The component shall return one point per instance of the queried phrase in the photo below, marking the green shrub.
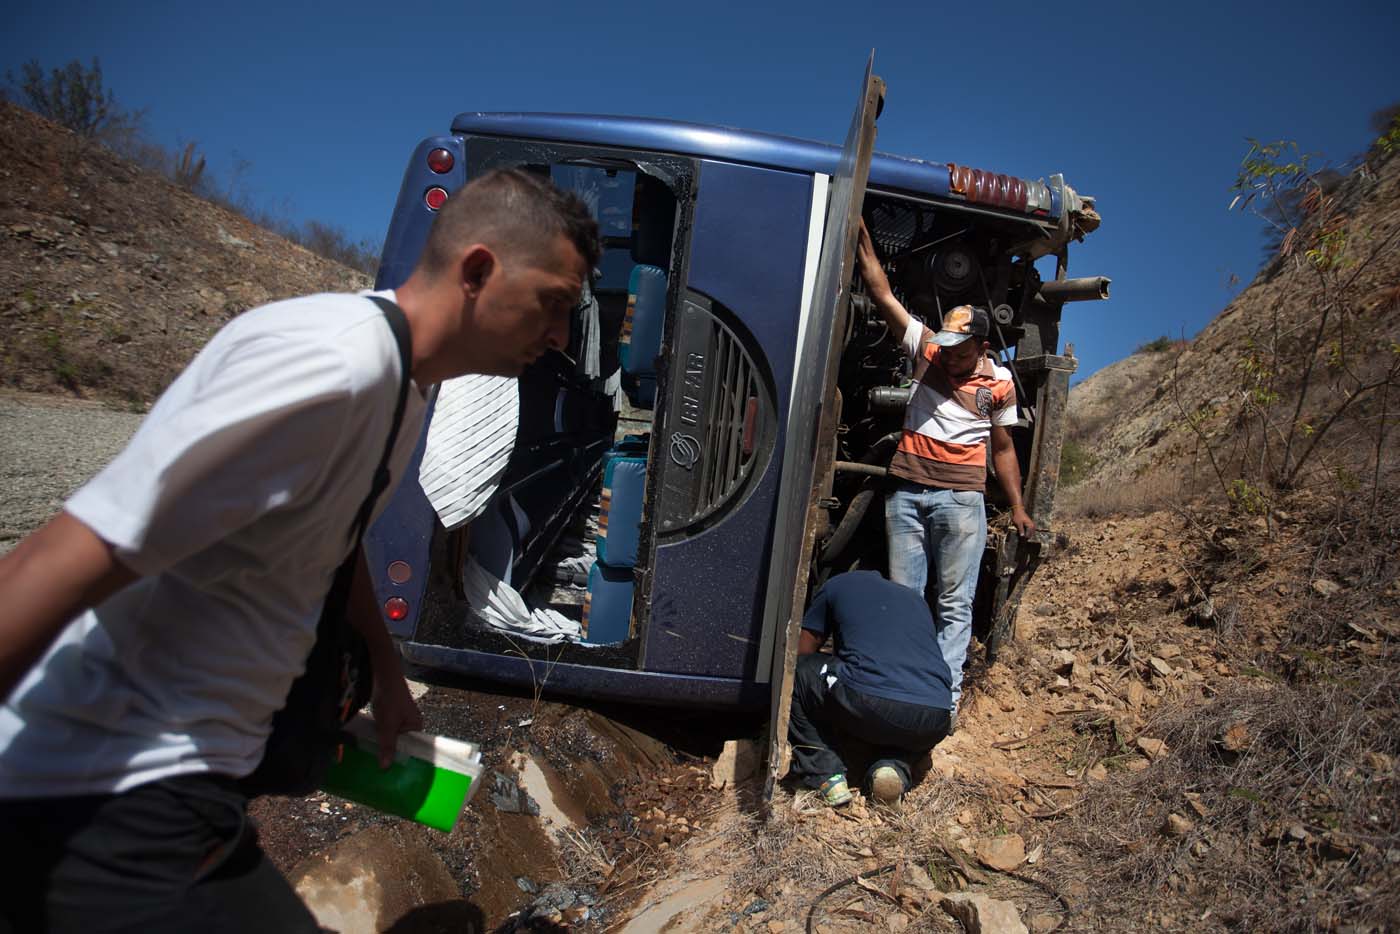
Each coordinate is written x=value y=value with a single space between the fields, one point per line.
x=1076 y=460
x=1156 y=345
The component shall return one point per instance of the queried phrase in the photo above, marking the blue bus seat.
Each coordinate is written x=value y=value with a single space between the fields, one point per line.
x=607 y=607
x=620 y=512
x=642 y=328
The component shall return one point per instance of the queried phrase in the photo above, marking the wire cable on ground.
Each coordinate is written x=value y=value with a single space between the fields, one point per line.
x=871 y=873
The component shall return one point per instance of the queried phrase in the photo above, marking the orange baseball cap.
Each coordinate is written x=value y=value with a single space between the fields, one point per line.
x=962 y=323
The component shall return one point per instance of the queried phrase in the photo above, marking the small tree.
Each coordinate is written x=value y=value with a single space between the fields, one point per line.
x=1304 y=369
x=74 y=96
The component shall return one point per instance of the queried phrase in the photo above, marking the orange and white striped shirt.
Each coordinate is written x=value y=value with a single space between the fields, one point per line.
x=948 y=420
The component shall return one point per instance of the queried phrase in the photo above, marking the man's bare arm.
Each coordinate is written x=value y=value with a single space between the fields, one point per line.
x=877 y=285
x=56 y=573
x=395 y=711
x=809 y=642
x=1009 y=476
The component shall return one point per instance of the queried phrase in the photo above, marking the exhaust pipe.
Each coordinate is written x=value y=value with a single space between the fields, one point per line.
x=1088 y=289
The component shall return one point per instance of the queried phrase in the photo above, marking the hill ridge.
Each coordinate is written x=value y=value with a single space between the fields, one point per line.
x=114 y=276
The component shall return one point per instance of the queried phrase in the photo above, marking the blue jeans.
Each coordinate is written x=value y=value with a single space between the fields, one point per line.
x=948 y=529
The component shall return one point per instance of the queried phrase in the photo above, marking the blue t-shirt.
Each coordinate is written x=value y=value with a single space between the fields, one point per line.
x=884 y=637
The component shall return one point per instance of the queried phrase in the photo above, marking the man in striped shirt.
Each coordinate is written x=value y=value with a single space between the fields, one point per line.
x=934 y=514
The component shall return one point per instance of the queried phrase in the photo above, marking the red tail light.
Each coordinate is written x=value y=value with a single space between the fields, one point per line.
x=440 y=161
x=396 y=608
x=435 y=197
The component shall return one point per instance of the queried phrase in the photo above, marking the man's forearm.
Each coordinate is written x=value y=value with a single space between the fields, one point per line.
x=52 y=576
x=1009 y=475
x=877 y=285
x=395 y=711
x=895 y=314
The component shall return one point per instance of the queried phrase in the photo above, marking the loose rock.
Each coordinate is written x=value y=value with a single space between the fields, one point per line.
x=1326 y=588
x=979 y=914
x=1005 y=852
x=1235 y=738
x=1152 y=748
x=1177 y=826
x=737 y=762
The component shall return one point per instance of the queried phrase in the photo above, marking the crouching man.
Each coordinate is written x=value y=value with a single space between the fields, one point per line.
x=886 y=686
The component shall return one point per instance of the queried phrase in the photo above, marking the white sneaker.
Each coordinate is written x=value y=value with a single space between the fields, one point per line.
x=886 y=787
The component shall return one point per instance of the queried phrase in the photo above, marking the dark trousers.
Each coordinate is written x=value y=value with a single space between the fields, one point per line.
x=170 y=856
x=828 y=717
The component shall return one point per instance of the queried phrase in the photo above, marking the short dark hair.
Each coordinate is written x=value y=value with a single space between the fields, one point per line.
x=514 y=212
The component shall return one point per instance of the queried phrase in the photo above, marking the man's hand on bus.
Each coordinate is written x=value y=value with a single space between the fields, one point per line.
x=1023 y=521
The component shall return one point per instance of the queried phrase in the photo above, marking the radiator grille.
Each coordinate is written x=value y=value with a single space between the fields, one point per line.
x=738 y=417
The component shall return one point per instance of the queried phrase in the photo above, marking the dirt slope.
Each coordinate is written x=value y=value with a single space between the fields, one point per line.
x=1131 y=415
x=111 y=277
x=1196 y=730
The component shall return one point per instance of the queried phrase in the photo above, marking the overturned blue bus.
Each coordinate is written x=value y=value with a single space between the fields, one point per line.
x=708 y=449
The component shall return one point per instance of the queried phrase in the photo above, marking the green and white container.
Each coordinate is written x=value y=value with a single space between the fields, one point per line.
x=430 y=781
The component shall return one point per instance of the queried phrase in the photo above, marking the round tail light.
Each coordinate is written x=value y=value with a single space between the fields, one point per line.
x=440 y=161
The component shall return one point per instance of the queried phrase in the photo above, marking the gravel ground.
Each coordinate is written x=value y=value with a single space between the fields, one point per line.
x=50 y=446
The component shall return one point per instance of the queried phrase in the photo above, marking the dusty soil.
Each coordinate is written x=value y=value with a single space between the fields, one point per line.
x=1196 y=730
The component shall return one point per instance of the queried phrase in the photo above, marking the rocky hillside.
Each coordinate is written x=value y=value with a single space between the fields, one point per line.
x=1334 y=327
x=112 y=277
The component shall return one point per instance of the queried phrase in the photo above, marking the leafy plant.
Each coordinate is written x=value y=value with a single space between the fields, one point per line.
x=73 y=96
x=1299 y=375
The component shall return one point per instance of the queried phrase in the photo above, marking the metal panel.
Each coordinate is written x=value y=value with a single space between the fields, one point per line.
x=408 y=228
x=746 y=257
x=811 y=418
x=925 y=176
x=593 y=684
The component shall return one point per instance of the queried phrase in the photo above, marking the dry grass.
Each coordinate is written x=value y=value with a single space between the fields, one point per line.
x=1097 y=498
x=1296 y=831
x=1278 y=805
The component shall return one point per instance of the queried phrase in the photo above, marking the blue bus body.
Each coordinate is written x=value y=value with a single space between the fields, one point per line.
x=733 y=222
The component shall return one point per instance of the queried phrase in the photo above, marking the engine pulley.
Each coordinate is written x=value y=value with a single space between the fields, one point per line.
x=954 y=269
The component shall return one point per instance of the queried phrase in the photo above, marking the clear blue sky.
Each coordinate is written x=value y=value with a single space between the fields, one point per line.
x=1145 y=106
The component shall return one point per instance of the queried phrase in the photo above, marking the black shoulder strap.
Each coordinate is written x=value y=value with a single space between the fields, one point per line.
x=337 y=598
x=398 y=324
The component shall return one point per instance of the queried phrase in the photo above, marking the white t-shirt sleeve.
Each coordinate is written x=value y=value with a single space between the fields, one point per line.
x=250 y=426
x=914 y=336
x=1004 y=410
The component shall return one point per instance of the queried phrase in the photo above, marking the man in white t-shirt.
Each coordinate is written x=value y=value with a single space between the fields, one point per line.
x=149 y=633
x=935 y=518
